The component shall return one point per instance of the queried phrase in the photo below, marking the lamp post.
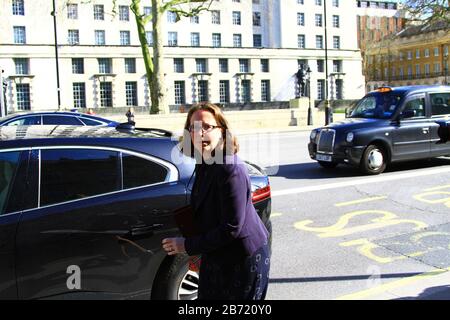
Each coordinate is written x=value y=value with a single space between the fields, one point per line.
x=308 y=72
x=328 y=111
x=2 y=96
x=445 y=67
x=56 y=56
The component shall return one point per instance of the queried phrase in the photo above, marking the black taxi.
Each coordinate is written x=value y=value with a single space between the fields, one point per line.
x=390 y=124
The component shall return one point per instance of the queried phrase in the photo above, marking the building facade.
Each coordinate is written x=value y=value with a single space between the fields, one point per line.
x=418 y=55
x=239 y=51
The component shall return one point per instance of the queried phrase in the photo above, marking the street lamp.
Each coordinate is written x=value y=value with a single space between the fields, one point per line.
x=445 y=67
x=56 y=56
x=308 y=73
x=328 y=110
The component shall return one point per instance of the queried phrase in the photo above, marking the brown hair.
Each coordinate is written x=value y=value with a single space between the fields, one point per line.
x=231 y=144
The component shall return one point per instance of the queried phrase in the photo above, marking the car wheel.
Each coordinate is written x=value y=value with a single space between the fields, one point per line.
x=328 y=165
x=373 y=160
x=175 y=281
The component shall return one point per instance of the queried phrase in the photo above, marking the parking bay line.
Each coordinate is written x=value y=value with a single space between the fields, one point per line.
x=359 y=182
x=384 y=288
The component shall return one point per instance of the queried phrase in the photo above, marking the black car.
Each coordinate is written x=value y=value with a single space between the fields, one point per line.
x=387 y=125
x=83 y=211
x=55 y=118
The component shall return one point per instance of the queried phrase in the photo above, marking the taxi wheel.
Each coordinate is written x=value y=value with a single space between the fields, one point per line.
x=328 y=165
x=373 y=160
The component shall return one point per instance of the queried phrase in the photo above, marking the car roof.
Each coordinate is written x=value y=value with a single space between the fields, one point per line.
x=414 y=89
x=10 y=133
x=52 y=113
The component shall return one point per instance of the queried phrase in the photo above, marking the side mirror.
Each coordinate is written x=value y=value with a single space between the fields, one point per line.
x=407 y=114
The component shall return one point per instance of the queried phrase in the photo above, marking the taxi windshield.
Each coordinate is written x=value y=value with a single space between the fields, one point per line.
x=377 y=105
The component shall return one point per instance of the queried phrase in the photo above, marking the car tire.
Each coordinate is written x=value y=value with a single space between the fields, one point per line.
x=374 y=160
x=328 y=165
x=175 y=281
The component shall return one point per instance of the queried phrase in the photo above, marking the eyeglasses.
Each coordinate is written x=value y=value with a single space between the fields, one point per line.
x=204 y=127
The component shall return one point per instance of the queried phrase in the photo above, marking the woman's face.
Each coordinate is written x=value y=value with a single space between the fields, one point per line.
x=205 y=133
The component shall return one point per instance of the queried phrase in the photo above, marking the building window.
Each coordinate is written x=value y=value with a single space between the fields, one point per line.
x=335 y=3
x=147 y=11
x=23 y=96
x=301 y=41
x=337 y=65
x=300 y=2
x=409 y=55
x=417 y=53
x=215 y=17
x=22 y=65
x=336 y=42
x=437 y=68
x=339 y=89
x=178 y=65
x=244 y=65
x=318 y=20
x=318 y=2
x=149 y=37
x=100 y=37
x=427 y=53
x=77 y=65
x=172 y=39
x=237 y=40
x=265 y=90
x=417 y=69
x=436 y=52
x=257 y=41
x=195 y=39
x=79 y=94
x=203 y=91
x=131 y=93
x=19 y=35
x=72 y=11
x=171 y=17
x=236 y=17
x=336 y=22
x=99 y=12
x=201 y=65
x=264 y=65
x=73 y=37
x=224 y=91
x=125 y=38
x=256 y=19
x=216 y=40
x=223 y=65
x=320 y=89
x=246 y=91
x=130 y=65
x=180 y=97
x=319 y=42
x=195 y=19
x=320 y=66
x=106 y=94
x=18 y=7
x=300 y=18
x=427 y=69
x=104 y=65
x=124 y=13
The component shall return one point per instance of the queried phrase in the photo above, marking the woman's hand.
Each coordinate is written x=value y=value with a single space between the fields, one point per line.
x=173 y=245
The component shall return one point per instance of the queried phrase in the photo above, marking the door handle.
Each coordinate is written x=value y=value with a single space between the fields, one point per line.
x=143 y=230
x=426 y=130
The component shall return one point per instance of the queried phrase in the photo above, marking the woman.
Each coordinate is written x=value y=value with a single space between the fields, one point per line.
x=233 y=241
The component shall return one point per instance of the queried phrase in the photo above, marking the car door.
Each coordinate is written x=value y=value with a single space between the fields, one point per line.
x=440 y=110
x=411 y=136
x=94 y=233
x=13 y=174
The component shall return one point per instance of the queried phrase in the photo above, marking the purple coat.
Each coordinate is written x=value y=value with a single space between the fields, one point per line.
x=224 y=212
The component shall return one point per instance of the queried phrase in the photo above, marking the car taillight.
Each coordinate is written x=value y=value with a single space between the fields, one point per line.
x=261 y=194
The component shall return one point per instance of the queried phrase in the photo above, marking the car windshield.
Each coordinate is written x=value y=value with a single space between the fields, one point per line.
x=378 y=105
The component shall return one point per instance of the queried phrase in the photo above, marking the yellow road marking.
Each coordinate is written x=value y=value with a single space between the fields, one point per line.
x=275 y=214
x=438 y=188
x=392 y=285
x=349 y=203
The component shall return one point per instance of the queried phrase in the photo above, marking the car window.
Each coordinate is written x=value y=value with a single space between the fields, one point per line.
x=69 y=174
x=9 y=162
x=26 y=121
x=417 y=106
x=378 y=105
x=440 y=103
x=90 y=122
x=140 y=172
x=62 y=120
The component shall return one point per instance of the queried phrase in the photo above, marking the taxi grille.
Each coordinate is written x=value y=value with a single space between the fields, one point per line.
x=326 y=141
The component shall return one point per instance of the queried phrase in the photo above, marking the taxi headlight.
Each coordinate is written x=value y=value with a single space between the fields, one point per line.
x=313 y=135
x=349 y=137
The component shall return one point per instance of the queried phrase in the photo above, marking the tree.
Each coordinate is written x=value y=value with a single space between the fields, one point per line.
x=429 y=11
